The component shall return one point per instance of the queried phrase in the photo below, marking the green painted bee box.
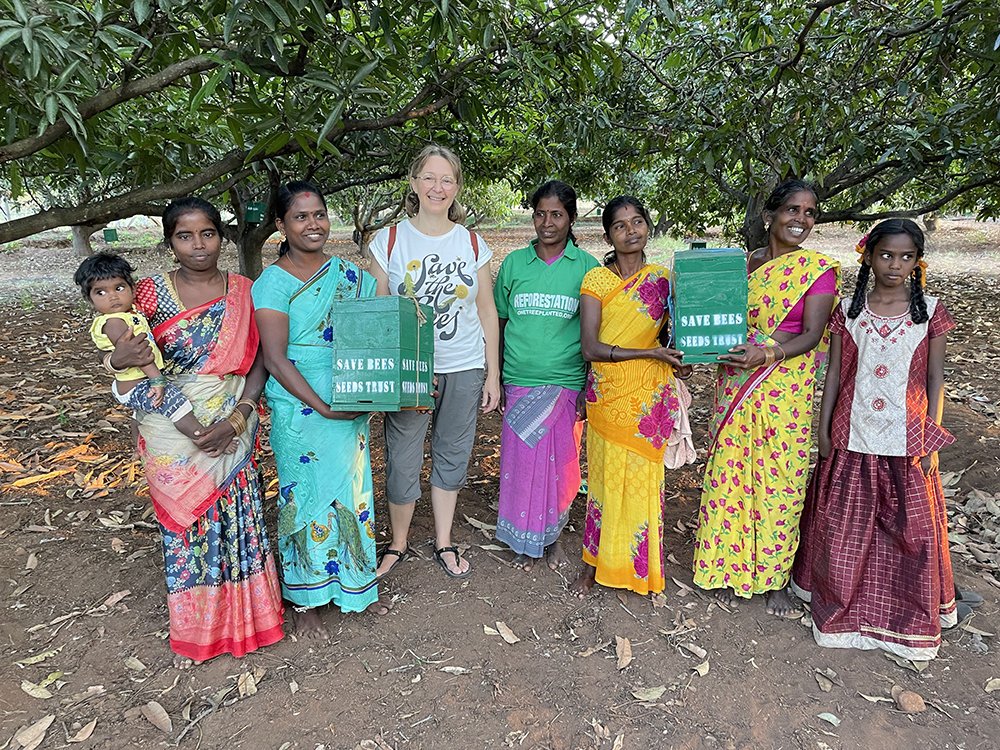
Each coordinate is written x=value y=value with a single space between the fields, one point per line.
x=383 y=354
x=710 y=302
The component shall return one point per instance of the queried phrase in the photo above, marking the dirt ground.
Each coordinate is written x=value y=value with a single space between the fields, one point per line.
x=84 y=619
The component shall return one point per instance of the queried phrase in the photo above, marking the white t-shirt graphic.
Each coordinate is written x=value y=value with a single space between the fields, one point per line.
x=440 y=272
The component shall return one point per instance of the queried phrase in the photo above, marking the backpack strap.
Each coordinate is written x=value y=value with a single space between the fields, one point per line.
x=475 y=243
x=392 y=242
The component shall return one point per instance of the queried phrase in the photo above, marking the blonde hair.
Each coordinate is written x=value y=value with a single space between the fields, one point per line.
x=456 y=212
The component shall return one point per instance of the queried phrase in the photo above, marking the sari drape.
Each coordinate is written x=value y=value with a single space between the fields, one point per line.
x=760 y=438
x=326 y=534
x=223 y=593
x=631 y=410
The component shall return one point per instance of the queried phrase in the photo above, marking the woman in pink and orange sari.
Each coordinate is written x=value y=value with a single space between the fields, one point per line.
x=223 y=590
x=756 y=475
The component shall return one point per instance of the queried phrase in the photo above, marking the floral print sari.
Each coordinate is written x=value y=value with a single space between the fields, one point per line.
x=756 y=475
x=631 y=410
x=326 y=534
x=222 y=586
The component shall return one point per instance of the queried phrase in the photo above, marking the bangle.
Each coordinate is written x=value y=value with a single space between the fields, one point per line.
x=110 y=367
x=159 y=380
x=238 y=422
x=249 y=402
x=782 y=353
x=768 y=356
x=611 y=354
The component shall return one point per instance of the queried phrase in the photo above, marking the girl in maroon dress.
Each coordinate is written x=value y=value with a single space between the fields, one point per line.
x=874 y=557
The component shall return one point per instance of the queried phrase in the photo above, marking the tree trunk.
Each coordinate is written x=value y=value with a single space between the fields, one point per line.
x=250 y=238
x=663 y=225
x=81 y=238
x=753 y=232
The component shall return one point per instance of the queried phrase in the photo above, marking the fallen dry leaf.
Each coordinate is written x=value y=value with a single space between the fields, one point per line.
x=31 y=737
x=992 y=685
x=623 y=649
x=824 y=682
x=487 y=630
x=829 y=718
x=246 y=684
x=695 y=649
x=115 y=598
x=35 y=691
x=875 y=698
x=506 y=633
x=84 y=734
x=594 y=649
x=619 y=742
x=913 y=666
x=32 y=562
x=37 y=658
x=659 y=601
x=649 y=694
x=622 y=597
x=455 y=670
x=156 y=716
x=135 y=665
x=701 y=669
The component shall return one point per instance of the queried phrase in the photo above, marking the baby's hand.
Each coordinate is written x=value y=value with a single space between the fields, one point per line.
x=157 y=391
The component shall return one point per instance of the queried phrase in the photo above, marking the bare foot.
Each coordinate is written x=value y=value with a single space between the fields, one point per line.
x=779 y=604
x=183 y=662
x=308 y=625
x=726 y=596
x=380 y=607
x=523 y=562
x=555 y=555
x=584 y=583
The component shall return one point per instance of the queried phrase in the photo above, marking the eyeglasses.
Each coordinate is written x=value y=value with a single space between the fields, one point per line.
x=447 y=182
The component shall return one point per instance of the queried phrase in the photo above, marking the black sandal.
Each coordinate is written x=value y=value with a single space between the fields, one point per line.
x=445 y=568
x=400 y=556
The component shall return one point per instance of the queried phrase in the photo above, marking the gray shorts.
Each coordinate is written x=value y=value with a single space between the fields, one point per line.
x=453 y=431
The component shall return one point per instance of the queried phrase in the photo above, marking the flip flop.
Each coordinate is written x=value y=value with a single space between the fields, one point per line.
x=400 y=556
x=445 y=568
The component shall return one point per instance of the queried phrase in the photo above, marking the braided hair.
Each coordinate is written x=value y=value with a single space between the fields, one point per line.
x=608 y=219
x=889 y=227
x=286 y=197
x=564 y=193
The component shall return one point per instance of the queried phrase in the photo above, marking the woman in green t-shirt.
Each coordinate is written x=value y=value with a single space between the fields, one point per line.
x=537 y=294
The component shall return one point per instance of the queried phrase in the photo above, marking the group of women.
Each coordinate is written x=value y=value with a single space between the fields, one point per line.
x=558 y=339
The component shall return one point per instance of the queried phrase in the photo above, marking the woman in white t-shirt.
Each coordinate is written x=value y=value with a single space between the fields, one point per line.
x=432 y=256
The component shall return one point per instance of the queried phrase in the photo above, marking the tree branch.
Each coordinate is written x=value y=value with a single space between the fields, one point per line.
x=851 y=214
x=104 y=101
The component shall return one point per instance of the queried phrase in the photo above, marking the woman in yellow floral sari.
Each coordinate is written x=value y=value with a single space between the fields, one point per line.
x=631 y=407
x=756 y=474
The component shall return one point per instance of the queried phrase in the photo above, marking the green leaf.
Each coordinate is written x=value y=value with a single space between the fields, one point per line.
x=9 y=35
x=939 y=8
x=208 y=88
x=279 y=12
x=129 y=34
x=51 y=108
x=331 y=120
x=16 y=183
x=362 y=74
x=141 y=11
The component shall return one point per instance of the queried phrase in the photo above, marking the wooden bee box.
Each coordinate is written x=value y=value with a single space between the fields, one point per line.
x=710 y=302
x=383 y=354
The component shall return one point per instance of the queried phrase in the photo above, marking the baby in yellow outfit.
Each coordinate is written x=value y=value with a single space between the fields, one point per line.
x=106 y=282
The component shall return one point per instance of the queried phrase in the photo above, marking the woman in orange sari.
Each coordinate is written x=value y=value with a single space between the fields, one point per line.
x=756 y=474
x=223 y=592
x=631 y=407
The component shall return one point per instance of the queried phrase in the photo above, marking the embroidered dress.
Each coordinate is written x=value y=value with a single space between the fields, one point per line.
x=874 y=560
x=540 y=438
x=326 y=535
x=631 y=409
x=756 y=475
x=222 y=586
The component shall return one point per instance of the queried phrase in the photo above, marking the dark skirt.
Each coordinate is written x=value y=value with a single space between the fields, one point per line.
x=874 y=561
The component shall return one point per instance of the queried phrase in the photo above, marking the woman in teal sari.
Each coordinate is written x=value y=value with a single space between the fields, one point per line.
x=326 y=535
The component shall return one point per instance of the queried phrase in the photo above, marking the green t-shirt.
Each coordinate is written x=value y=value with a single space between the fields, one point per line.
x=541 y=303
